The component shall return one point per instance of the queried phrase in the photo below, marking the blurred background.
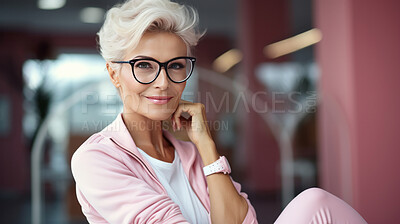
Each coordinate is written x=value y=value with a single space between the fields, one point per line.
x=299 y=93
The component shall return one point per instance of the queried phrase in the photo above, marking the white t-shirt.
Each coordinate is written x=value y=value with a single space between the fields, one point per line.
x=174 y=180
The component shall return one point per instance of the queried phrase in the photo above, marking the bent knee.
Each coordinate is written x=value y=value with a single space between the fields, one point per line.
x=314 y=196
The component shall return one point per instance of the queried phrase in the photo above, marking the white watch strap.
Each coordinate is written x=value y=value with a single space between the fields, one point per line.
x=215 y=167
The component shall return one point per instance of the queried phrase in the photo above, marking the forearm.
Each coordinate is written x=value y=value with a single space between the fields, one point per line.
x=227 y=205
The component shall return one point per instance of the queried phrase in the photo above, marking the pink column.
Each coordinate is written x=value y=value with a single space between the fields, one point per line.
x=261 y=23
x=359 y=58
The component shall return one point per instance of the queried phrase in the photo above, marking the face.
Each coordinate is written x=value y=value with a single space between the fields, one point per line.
x=159 y=99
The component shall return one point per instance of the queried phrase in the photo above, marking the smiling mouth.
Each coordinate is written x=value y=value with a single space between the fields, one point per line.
x=159 y=99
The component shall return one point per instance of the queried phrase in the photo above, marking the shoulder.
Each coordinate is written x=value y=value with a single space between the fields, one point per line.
x=97 y=143
x=96 y=150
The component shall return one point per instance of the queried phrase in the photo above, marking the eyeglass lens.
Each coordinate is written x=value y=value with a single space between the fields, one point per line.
x=178 y=70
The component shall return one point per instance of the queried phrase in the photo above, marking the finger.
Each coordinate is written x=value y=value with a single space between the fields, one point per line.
x=181 y=101
x=176 y=117
x=173 y=125
x=178 y=113
x=185 y=123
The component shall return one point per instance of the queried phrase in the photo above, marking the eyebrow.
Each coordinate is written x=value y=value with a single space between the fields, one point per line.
x=143 y=57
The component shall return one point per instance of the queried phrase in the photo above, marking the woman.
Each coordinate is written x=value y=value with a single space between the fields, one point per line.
x=135 y=172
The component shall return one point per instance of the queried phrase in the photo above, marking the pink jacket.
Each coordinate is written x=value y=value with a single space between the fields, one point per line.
x=115 y=184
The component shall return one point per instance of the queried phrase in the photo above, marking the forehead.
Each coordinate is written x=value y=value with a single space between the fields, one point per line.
x=159 y=45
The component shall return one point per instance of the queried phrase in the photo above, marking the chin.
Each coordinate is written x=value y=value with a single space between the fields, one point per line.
x=159 y=116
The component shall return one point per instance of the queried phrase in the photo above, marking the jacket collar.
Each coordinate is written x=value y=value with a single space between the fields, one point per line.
x=119 y=133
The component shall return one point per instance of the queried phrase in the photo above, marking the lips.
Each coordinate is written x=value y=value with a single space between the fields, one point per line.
x=159 y=99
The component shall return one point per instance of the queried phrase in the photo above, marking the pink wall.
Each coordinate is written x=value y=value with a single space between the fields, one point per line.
x=359 y=117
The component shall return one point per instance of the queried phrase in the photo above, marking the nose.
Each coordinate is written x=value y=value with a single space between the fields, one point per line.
x=162 y=80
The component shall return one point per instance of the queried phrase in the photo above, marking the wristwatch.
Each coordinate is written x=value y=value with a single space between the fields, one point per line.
x=219 y=166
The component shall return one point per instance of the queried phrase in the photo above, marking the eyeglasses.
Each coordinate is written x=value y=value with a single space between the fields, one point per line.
x=146 y=70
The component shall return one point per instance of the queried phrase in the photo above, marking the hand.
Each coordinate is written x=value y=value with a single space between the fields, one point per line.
x=196 y=125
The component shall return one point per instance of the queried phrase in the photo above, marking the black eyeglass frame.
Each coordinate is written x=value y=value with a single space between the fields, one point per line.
x=161 y=65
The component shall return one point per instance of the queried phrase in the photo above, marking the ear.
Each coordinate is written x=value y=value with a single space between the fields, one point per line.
x=113 y=75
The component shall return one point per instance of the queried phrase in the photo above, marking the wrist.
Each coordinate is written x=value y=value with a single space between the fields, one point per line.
x=219 y=166
x=208 y=152
x=204 y=143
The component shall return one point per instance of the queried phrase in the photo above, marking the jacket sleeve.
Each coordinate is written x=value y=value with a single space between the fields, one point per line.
x=251 y=217
x=116 y=194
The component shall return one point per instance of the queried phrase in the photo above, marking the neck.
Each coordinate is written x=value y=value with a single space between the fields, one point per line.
x=147 y=134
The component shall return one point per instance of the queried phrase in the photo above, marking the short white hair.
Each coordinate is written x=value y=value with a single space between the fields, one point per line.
x=126 y=23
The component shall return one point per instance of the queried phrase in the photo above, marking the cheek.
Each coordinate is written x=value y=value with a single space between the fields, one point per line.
x=180 y=88
x=130 y=88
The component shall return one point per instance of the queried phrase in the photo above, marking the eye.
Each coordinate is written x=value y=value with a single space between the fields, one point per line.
x=176 y=65
x=143 y=65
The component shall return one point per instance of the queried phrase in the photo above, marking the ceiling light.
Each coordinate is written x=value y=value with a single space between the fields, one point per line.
x=92 y=15
x=50 y=4
x=227 y=60
x=293 y=44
